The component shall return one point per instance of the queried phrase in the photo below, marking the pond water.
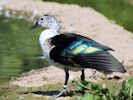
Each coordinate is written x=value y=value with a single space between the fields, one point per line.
x=19 y=48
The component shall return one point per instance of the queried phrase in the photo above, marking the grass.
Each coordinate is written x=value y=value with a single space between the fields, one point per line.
x=25 y=93
x=93 y=91
x=117 y=10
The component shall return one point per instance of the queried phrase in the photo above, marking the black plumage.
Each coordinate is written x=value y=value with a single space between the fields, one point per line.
x=82 y=52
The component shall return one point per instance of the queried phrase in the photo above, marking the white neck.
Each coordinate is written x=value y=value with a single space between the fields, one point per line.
x=46 y=34
x=45 y=45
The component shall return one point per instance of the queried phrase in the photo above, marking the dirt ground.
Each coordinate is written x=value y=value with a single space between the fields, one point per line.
x=81 y=20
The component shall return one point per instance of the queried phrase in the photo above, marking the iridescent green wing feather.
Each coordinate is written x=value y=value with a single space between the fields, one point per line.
x=82 y=47
x=78 y=51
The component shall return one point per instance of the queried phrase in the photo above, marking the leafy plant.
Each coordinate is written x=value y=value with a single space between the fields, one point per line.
x=126 y=91
x=99 y=92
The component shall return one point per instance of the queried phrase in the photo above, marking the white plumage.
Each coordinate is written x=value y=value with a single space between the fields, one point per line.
x=44 y=40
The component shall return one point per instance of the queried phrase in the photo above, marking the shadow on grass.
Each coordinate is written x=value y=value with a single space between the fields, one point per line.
x=54 y=92
x=47 y=93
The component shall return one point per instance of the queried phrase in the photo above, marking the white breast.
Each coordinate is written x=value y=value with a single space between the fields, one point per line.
x=45 y=43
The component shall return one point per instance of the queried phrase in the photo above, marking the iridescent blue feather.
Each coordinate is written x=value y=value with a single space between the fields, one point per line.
x=78 y=51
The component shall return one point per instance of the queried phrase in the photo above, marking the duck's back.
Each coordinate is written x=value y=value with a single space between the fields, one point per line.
x=81 y=52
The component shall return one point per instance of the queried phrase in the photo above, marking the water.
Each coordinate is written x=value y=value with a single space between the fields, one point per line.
x=19 y=48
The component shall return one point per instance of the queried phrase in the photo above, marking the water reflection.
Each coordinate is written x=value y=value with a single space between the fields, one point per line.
x=19 y=48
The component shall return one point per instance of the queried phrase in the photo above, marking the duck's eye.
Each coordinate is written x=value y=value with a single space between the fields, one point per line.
x=41 y=18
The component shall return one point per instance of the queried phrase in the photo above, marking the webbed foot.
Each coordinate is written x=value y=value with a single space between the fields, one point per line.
x=63 y=92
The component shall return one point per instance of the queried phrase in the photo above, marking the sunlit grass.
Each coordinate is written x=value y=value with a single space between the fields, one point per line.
x=93 y=91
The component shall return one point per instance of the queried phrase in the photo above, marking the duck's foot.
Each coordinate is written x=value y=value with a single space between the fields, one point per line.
x=63 y=92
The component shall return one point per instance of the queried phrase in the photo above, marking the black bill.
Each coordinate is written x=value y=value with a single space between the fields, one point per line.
x=36 y=25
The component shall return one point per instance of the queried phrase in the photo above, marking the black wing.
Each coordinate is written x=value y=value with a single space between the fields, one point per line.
x=78 y=51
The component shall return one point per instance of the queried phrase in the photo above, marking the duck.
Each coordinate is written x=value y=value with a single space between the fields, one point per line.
x=73 y=52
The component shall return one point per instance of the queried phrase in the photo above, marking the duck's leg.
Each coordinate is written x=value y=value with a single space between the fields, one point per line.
x=64 y=90
x=82 y=79
x=82 y=75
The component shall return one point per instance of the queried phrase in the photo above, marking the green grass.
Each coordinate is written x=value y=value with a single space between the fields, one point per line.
x=93 y=91
x=16 y=92
x=119 y=10
x=19 y=48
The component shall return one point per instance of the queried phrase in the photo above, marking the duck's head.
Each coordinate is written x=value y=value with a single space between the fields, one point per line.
x=47 y=21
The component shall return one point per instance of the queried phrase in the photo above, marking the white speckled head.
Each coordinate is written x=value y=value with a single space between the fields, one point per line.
x=53 y=28
x=48 y=21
